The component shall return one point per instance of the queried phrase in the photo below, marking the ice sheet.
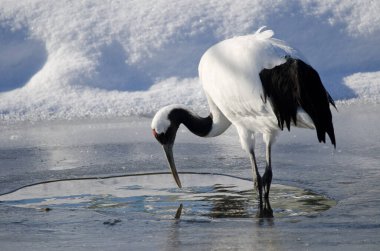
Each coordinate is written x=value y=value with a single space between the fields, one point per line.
x=53 y=150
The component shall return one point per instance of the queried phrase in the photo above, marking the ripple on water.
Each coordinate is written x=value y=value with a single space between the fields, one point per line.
x=203 y=197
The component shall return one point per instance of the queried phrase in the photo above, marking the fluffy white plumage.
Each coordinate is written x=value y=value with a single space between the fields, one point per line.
x=229 y=72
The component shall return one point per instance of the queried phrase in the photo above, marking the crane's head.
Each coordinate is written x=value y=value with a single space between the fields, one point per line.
x=164 y=128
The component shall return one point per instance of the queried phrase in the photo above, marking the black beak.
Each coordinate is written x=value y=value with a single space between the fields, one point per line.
x=168 y=149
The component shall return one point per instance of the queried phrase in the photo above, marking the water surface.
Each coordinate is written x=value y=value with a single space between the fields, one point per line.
x=323 y=198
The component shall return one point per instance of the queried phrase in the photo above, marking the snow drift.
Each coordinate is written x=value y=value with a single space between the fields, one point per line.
x=68 y=59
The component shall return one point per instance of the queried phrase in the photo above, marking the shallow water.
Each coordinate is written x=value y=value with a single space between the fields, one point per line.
x=153 y=195
x=331 y=199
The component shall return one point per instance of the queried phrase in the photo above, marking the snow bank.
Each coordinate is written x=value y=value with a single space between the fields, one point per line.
x=68 y=59
x=366 y=85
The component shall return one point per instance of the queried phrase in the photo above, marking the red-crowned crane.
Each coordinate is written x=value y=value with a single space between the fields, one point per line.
x=259 y=84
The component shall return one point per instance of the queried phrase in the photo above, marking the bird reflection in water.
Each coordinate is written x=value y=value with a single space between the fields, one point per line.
x=225 y=202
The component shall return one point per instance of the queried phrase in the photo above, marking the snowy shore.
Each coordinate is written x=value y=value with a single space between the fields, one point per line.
x=97 y=59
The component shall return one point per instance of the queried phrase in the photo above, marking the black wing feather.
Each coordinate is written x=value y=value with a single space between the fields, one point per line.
x=296 y=84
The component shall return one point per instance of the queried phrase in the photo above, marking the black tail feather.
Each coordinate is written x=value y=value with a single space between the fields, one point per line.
x=296 y=84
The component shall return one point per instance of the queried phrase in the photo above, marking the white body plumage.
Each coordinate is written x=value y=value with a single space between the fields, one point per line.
x=229 y=72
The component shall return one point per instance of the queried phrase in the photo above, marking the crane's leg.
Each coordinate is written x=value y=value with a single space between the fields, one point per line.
x=247 y=141
x=267 y=177
x=257 y=180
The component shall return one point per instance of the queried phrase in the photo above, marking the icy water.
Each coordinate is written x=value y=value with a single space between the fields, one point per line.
x=323 y=199
x=152 y=195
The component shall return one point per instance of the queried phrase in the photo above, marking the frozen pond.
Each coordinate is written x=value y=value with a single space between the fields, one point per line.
x=322 y=198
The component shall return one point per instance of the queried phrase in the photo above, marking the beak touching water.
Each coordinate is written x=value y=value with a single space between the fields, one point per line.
x=168 y=149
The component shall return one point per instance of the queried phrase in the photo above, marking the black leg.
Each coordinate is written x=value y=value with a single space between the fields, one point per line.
x=258 y=183
x=259 y=188
x=267 y=211
x=267 y=179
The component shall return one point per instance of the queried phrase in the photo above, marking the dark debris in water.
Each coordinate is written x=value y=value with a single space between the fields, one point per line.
x=45 y=209
x=111 y=222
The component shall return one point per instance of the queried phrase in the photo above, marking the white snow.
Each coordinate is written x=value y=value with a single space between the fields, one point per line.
x=74 y=59
x=365 y=85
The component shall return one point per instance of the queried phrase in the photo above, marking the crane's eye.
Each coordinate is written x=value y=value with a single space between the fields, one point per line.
x=160 y=137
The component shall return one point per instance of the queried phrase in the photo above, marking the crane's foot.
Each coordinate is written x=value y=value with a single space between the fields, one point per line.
x=266 y=214
x=265 y=211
